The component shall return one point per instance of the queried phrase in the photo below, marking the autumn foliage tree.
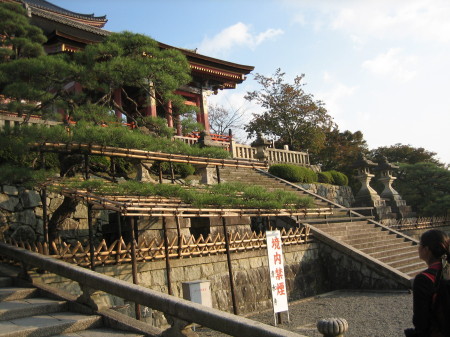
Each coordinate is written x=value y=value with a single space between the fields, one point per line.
x=290 y=115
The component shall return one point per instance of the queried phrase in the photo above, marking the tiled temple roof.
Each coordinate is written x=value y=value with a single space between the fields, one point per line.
x=89 y=19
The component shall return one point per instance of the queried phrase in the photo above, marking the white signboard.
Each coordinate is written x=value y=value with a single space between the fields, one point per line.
x=276 y=269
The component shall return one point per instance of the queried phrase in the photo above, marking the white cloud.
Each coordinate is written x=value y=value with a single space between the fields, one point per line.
x=336 y=97
x=425 y=20
x=393 y=65
x=236 y=35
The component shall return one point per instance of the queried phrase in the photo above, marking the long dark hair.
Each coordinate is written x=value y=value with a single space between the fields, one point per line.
x=438 y=243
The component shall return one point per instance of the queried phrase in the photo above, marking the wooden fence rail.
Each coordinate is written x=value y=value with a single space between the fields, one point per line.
x=146 y=251
x=416 y=223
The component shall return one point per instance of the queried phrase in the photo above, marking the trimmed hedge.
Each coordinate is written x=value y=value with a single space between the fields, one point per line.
x=300 y=174
x=293 y=173
x=325 y=177
x=339 y=178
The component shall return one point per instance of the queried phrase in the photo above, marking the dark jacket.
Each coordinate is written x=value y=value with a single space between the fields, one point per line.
x=424 y=320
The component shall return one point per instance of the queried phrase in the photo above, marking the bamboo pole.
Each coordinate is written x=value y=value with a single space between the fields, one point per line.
x=137 y=306
x=166 y=253
x=177 y=220
x=230 y=270
x=91 y=237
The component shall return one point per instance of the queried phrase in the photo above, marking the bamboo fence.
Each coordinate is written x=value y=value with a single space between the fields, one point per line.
x=109 y=151
x=120 y=252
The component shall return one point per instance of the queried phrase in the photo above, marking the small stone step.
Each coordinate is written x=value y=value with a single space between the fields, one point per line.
x=48 y=325
x=16 y=293
x=104 y=332
x=29 y=307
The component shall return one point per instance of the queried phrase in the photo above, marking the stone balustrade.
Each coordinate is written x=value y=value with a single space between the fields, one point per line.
x=13 y=119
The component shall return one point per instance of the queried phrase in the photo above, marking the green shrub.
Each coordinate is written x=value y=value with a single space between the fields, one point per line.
x=182 y=169
x=285 y=171
x=293 y=173
x=339 y=178
x=325 y=177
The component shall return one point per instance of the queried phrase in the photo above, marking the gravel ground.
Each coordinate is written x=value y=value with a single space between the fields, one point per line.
x=369 y=314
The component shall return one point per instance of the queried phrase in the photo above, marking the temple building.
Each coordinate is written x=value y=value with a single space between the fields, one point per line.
x=70 y=32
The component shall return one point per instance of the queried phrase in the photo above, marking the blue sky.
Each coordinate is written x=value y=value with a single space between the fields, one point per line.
x=381 y=67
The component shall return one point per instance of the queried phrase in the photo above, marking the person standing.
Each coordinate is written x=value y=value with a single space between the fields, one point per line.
x=434 y=250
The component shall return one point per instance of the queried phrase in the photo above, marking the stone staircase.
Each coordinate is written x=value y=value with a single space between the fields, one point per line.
x=376 y=243
x=27 y=311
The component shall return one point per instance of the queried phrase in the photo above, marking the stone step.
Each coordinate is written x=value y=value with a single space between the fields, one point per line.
x=49 y=325
x=102 y=332
x=16 y=293
x=419 y=265
x=353 y=231
x=395 y=257
x=369 y=238
x=383 y=246
x=378 y=244
x=413 y=273
x=404 y=262
x=338 y=225
x=395 y=251
x=10 y=310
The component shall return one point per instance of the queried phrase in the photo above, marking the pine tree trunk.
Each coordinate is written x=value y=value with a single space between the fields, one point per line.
x=67 y=207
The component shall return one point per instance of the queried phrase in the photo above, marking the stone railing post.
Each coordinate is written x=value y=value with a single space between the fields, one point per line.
x=332 y=327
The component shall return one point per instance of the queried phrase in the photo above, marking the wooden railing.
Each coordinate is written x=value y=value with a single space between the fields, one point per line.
x=181 y=312
x=154 y=250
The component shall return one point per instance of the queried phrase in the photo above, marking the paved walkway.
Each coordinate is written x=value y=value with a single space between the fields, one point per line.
x=368 y=313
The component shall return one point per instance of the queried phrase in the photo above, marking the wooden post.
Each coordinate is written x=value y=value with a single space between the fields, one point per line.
x=172 y=174
x=91 y=237
x=230 y=270
x=166 y=252
x=44 y=213
x=137 y=306
x=177 y=220
x=119 y=225
x=160 y=173
x=218 y=174
x=86 y=167
x=113 y=169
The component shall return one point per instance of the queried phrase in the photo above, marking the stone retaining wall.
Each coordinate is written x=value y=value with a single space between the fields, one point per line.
x=341 y=195
x=21 y=216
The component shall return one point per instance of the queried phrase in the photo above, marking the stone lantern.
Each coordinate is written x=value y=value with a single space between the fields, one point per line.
x=261 y=145
x=393 y=198
x=367 y=196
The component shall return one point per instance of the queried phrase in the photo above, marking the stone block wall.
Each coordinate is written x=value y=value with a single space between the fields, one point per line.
x=341 y=195
x=21 y=216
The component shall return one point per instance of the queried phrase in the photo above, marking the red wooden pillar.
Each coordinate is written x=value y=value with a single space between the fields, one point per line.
x=169 y=115
x=204 y=111
x=199 y=113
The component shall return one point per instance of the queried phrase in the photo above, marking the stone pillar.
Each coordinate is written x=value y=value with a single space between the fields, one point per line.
x=208 y=174
x=143 y=173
